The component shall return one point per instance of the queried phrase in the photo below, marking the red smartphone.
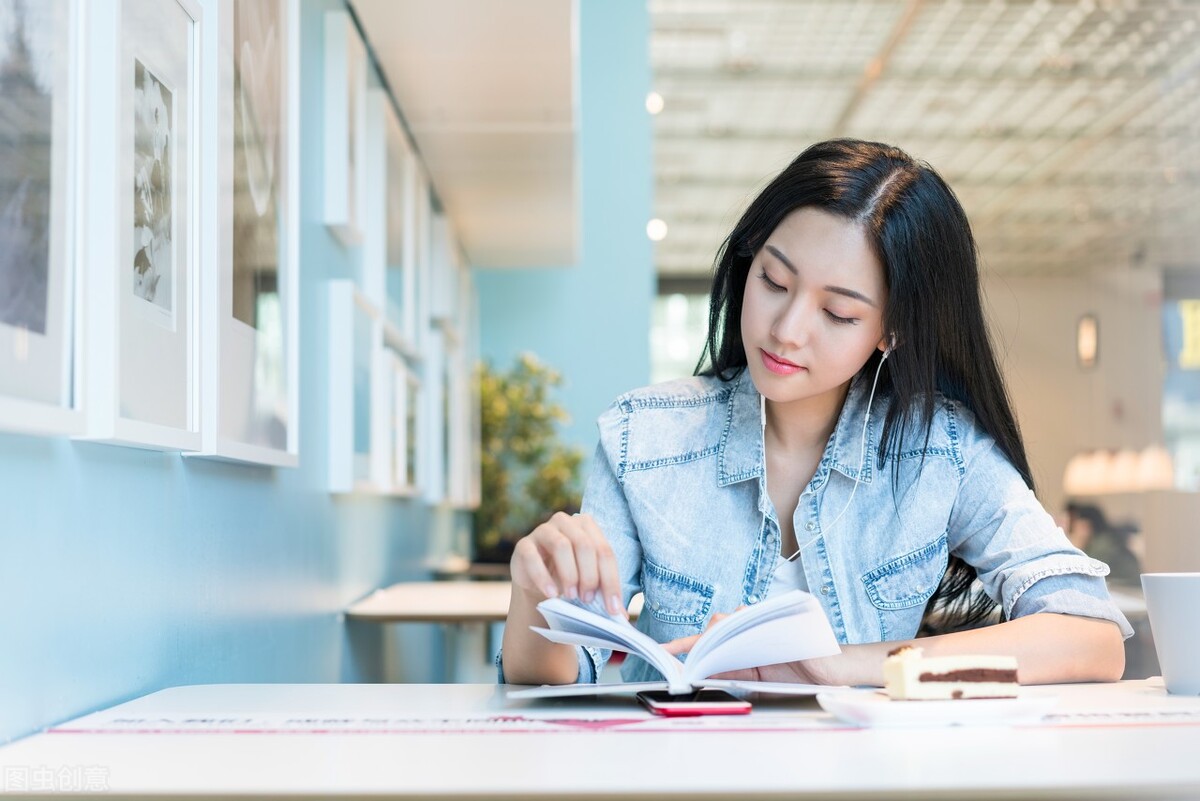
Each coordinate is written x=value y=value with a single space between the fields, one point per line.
x=697 y=702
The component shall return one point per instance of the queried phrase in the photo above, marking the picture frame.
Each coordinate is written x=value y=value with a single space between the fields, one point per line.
x=372 y=274
x=345 y=127
x=250 y=351
x=374 y=399
x=421 y=235
x=405 y=390
x=146 y=160
x=41 y=342
x=400 y=223
x=451 y=314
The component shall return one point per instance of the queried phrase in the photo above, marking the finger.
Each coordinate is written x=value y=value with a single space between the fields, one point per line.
x=747 y=674
x=681 y=646
x=715 y=619
x=606 y=565
x=559 y=556
x=588 y=576
x=530 y=571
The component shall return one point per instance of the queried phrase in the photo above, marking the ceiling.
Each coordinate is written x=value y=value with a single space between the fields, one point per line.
x=488 y=91
x=1069 y=130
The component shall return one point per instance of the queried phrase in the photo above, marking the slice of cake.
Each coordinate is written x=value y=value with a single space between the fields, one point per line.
x=908 y=675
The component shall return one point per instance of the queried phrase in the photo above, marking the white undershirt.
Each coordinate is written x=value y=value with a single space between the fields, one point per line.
x=788 y=576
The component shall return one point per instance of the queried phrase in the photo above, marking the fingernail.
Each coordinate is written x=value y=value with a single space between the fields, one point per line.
x=588 y=596
x=551 y=591
x=614 y=605
x=572 y=593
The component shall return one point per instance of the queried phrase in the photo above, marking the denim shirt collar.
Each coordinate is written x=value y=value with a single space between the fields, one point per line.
x=741 y=451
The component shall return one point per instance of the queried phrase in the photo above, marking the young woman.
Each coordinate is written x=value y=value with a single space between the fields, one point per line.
x=851 y=435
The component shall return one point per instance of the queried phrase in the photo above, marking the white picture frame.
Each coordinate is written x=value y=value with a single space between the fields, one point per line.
x=422 y=239
x=372 y=275
x=345 y=127
x=251 y=324
x=451 y=311
x=373 y=399
x=400 y=222
x=41 y=352
x=405 y=390
x=146 y=159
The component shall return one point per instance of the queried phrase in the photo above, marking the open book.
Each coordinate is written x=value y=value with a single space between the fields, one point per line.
x=785 y=628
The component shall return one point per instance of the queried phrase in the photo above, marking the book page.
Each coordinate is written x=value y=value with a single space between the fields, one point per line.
x=574 y=625
x=785 y=628
x=572 y=690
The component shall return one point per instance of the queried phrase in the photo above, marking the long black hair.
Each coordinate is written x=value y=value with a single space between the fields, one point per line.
x=920 y=234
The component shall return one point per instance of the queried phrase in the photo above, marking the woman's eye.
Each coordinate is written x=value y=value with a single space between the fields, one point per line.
x=841 y=320
x=774 y=287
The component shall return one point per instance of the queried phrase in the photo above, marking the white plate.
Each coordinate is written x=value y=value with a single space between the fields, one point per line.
x=874 y=708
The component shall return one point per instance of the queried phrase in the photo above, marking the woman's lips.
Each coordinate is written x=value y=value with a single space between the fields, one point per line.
x=777 y=365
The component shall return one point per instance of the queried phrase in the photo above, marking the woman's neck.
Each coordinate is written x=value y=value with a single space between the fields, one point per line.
x=804 y=425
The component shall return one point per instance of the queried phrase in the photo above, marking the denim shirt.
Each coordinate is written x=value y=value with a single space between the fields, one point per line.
x=678 y=488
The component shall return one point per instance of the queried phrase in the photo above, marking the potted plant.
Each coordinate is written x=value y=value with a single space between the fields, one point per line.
x=526 y=472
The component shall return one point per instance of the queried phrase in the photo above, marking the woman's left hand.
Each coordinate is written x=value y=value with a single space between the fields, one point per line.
x=822 y=670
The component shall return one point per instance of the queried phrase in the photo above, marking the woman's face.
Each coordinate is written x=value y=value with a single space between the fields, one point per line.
x=812 y=308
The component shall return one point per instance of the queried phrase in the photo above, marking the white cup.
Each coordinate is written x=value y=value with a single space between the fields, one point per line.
x=1173 y=603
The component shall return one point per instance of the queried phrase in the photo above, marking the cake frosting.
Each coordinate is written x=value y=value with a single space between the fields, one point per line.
x=909 y=675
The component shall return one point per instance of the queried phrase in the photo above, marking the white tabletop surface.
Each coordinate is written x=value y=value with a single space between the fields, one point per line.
x=442 y=602
x=1128 y=740
x=436 y=602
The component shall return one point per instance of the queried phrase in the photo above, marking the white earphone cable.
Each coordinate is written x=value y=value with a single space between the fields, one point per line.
x=862 y=453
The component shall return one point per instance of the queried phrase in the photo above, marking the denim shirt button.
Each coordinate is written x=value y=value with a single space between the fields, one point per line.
x=810 y=526
x=825 y=590
x=753 y=599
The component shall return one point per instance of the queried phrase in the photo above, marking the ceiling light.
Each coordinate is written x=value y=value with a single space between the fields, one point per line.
x=1087 y=341
x=654 y=102
x=656 y=229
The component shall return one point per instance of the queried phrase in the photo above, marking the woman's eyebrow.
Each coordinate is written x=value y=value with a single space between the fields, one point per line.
x=840 y=290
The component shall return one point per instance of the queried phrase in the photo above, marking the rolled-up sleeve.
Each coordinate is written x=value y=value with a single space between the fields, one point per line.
x=590 y=662
x=1024 y=560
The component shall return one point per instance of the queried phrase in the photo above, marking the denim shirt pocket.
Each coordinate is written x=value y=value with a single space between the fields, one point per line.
x=899 y=589
x=674 y=598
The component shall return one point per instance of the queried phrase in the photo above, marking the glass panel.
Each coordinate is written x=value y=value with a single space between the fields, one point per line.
x=35 y=312
x=364 y=344
x=448 y=425
x=677 y=332
x=411 y=407
x=397 y=164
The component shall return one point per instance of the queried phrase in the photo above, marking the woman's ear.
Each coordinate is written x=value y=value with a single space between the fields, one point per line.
x=887 y=344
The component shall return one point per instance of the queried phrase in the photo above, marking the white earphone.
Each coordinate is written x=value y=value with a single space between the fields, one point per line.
x=862 y=448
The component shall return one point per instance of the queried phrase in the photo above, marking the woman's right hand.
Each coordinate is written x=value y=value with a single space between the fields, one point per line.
x=568 y=555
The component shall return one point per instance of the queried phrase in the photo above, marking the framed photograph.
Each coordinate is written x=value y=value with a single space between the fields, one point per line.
x=40 y=85
x=422 y=238
x=400 y=224
x=250 y=348
x=452 y=312
x=345 y=127
x=144 y=377
x=372 y=278
x=359 y=396
x=374 y=400
x=405 y=394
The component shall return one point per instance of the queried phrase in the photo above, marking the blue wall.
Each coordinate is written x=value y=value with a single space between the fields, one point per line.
x=126 y=571
x=591 y=320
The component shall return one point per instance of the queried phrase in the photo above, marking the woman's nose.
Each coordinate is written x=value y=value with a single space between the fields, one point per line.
x=792 y=325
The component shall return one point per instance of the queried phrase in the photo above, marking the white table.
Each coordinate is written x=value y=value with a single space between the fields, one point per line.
x=468 y=741
x=443 y=602
x=454 y=603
